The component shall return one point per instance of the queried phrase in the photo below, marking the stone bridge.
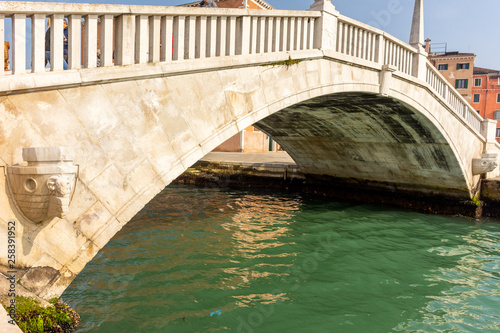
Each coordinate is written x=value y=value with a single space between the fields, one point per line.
x=83 y=150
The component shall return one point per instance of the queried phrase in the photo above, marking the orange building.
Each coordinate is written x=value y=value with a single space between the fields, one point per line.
x=486 y=94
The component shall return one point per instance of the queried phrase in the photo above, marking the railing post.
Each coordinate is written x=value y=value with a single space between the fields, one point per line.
x=125 y=37
x=325 y=31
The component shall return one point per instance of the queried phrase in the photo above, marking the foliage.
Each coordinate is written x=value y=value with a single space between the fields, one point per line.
x=31 y=317
x=476 y=201
x=286 y=63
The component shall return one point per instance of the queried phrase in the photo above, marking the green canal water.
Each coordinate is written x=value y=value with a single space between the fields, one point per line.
x=274 y=262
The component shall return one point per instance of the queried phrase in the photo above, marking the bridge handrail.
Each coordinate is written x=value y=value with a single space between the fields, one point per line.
x=455 y=100
x=365 y=42
x=9 y=8
x=147 y=34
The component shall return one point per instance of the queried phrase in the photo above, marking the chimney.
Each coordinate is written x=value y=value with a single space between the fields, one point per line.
x=428 y=45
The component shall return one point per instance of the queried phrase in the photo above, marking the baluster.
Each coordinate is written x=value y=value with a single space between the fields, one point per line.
x=141 y=39
x=362 y=44
x=2 y=37
x=201 y=37
x=74 y=42
x=56 y=42
x=190 y=38
x=125 y=40
x=18 y=44
x=269 y=35
x=106 y=40
x=277 y=34
x=284 y=34
x=310 y=39
x=90 y=42
x=230 y=36
x=298 y=33
x=291 y=35
x=212 y=36
x=254 y=34
x=221 y=36
x=166 y=34
x=154 y=38
x=261 y=33
x=179 y=26
x=37 y=43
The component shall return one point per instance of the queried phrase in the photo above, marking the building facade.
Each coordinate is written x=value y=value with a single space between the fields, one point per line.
x=486 y=94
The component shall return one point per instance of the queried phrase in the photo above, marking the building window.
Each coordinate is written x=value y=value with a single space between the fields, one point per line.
x=462 y=84
x=498 y=132
x=478 y=83
x=476 y=98
x=497 y=115
x=478 y=112
x=498 y=98
x=463 y=66
x=443 y=67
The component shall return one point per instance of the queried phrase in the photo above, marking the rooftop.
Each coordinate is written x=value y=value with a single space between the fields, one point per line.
x=480 y=70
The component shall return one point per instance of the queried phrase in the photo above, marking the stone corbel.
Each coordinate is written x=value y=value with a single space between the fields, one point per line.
x=487 y=163
x=42 y=189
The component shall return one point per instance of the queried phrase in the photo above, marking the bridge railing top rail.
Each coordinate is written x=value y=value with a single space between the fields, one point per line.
x=448 y=92
x=9 y=8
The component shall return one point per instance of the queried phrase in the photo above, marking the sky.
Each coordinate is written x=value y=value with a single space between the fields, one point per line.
x=464 y=25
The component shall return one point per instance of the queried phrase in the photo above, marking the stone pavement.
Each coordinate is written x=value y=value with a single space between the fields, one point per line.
x=271 y=158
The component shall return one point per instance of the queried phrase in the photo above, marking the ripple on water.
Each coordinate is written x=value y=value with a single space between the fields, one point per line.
x=285 y=263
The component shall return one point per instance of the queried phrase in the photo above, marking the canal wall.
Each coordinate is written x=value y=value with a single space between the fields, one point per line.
x=213 y=172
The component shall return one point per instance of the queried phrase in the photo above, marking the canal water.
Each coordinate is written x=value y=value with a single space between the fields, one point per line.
x=216 y=260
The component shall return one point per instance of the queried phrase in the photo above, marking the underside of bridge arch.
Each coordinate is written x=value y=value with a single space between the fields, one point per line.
x=368 y=141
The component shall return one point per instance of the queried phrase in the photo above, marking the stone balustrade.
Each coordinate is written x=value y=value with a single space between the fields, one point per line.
x=148 y=34
x=440 y=86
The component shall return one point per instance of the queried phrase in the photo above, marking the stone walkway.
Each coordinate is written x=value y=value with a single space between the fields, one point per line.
x=279 y=157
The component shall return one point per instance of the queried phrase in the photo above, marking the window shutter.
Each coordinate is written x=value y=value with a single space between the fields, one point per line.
x=467 y=66
x=458 y=66
x=446 y=67
x=456 y=84
x=466 y=83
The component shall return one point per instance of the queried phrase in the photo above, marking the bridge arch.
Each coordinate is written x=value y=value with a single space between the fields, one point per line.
x=133 y=137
